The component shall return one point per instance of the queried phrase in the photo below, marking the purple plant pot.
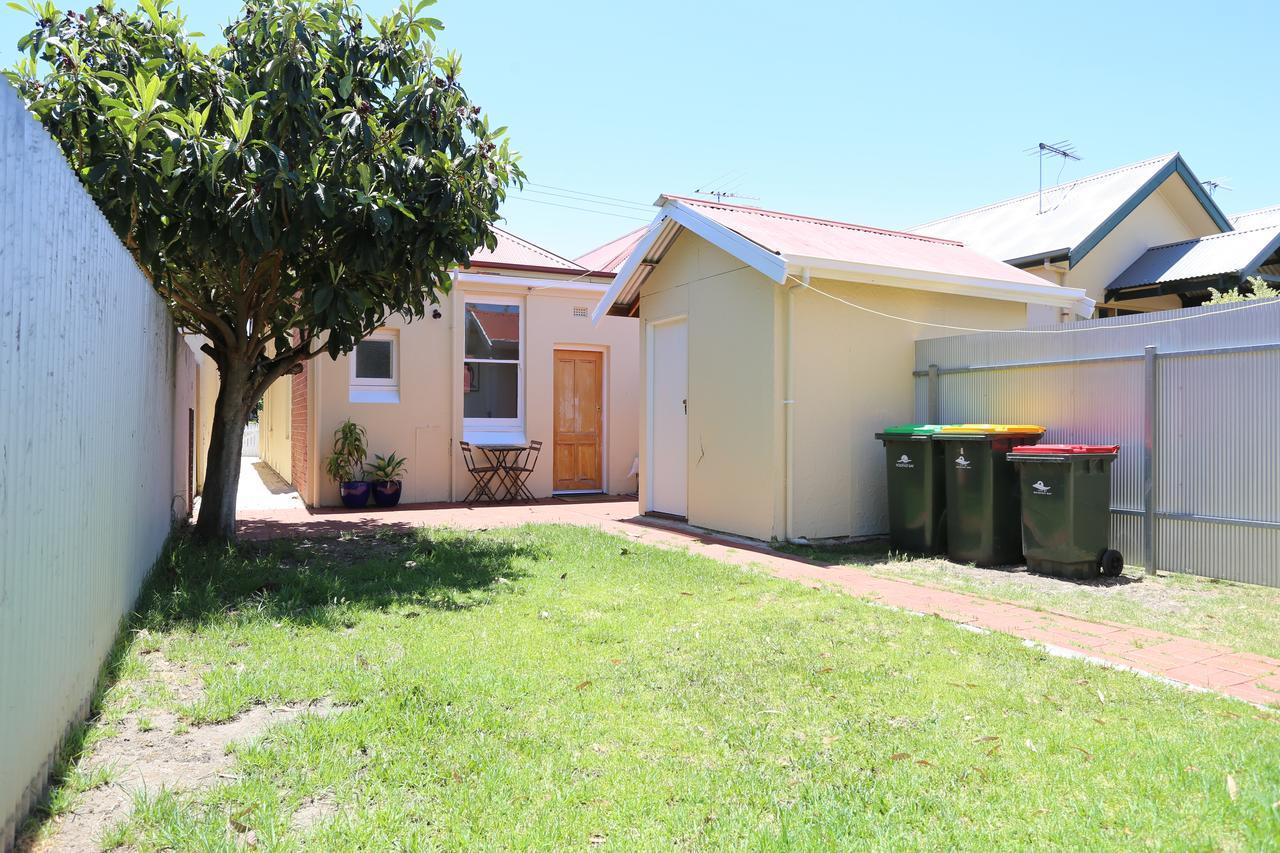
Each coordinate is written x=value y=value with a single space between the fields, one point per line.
x=386 y=493
x=355 y=494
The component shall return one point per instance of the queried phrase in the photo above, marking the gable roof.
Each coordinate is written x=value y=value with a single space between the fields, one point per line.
x=518 y=253
x=1259 y=218
x=1076 y=215
x=780 y=245
x=611 y=255
x=1232 y=253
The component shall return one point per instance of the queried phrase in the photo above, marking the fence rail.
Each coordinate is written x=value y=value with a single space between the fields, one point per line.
x=1191 y=403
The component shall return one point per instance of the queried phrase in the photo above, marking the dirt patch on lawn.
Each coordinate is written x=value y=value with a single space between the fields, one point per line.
x=155 y=750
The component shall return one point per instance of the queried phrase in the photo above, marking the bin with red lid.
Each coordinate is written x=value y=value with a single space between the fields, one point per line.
x=1066 y=509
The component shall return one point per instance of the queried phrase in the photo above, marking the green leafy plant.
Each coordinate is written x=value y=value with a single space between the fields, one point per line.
x=346 y=463
x=387 y=469
x=1259 y=288
x=286 y=190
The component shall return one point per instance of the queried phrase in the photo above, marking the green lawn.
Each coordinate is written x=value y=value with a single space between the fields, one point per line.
x=554 y=687
x=1242 y=616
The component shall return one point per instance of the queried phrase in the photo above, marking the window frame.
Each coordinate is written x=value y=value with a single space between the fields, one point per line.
x=364 y=389
x=505 y=425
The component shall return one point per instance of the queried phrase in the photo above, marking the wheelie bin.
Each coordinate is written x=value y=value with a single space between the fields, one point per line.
x=984 y=518
x=1066 y=509
x=917 y=489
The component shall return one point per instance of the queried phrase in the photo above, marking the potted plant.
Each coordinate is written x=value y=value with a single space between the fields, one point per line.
x=386 y=472
x=346 y=464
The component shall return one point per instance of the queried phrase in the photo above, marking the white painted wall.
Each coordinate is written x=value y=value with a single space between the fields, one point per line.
x=89 y=466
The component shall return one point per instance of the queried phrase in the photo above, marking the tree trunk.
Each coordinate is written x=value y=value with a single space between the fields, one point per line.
x=217 y=521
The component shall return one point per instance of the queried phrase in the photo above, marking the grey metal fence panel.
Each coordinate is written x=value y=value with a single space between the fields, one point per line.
x=87 y=367
x=1216 y=499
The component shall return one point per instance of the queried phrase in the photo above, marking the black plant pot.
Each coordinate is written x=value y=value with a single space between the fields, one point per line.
x=386 y=493
x=355 y=494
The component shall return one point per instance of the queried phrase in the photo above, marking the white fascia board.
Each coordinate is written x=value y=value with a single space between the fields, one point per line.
x=751 y=253
x=960 y=285
x=628 y=269
x=515 y=282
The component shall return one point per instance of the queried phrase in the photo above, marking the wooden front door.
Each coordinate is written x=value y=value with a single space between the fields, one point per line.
x=579 y=402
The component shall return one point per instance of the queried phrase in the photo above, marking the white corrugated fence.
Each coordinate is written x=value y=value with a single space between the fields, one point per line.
x=1192 y=404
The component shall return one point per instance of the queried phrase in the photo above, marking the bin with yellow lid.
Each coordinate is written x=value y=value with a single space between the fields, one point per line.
x=984 y=507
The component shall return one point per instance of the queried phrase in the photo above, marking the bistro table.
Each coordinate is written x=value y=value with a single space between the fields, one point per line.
x=504 y=457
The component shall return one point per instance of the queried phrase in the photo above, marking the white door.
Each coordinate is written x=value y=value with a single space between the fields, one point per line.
x=669 y=422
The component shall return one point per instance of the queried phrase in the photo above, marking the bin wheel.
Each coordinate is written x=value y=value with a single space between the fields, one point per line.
x=1111 y=562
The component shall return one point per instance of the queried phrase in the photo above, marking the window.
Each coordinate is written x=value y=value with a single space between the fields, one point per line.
x=492 y=384
x=375 y=376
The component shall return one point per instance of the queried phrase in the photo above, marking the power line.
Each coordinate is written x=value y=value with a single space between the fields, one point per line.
x=591 y=195
x=627 y=206
x=582 y=209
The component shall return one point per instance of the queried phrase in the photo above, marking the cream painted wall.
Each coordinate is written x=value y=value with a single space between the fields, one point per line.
x=734 y=403
x=426 y=425
x=853 y=378
x=206 y=397
x=1166 y=216
x=274 y=426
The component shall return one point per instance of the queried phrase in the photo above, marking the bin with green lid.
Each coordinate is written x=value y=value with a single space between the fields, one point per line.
x=1066 y=509
x=917 y=498
x=984 y=518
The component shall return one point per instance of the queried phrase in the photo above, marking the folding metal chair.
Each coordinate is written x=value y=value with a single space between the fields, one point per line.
x=483 y=475
x=520 y=471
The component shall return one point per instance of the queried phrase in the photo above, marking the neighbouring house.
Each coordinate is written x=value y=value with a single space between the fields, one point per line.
x=1089 y=232
x=513 y=356
x=771 y=354
x=1188 y=269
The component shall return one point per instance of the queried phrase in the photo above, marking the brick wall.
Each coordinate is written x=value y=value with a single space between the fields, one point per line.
x=298 y=432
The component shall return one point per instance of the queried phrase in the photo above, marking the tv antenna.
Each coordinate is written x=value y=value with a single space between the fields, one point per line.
x=721 y=195
x=1215 y=184
x=1062 y=148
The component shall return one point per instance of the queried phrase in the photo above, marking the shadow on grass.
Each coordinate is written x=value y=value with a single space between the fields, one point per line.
x=308 y=580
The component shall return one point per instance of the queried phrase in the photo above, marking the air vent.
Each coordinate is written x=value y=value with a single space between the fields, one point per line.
x=579 y=311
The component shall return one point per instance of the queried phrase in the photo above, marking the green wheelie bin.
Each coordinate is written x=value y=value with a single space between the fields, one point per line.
x=1066 y=509
x=917 y=490
x=984 y=518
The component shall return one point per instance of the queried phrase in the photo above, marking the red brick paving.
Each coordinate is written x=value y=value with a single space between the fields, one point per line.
x=1246 y=676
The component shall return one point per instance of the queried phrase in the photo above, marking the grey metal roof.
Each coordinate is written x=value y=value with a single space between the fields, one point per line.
x=1075 y=217
x=1235 y=252
x=1259 y=218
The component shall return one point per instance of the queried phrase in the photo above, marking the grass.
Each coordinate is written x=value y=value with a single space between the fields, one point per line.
x=1244 y=617
x=553 y=687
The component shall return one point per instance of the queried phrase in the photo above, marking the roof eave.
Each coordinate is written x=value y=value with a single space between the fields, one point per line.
x=1176 y=166
x=961 y=285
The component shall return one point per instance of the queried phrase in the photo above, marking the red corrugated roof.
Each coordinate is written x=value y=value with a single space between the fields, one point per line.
x=845 y=242
x=611 y=255
x=518 y=252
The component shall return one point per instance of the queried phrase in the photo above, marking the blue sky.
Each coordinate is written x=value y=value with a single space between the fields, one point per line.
x=887 y=114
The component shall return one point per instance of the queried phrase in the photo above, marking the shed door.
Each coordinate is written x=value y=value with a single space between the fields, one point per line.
x=579 y=387
x=669 y=422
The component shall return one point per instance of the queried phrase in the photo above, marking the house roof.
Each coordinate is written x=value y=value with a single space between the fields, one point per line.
x=1259 y=218
x=518 y=253
x=611 y=255
x=1076 y=215
x=784 y=244
x=1235 y=252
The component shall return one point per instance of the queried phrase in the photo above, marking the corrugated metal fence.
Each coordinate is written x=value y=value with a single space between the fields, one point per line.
x=1192 y=403
x=88 y=362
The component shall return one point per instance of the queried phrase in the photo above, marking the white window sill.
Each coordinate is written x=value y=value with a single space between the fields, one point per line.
x=375 y=395
x=482 y=436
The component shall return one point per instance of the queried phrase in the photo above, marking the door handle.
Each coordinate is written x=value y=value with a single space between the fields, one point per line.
x=685 y=403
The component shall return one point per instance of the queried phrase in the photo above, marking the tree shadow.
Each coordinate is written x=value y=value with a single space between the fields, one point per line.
x=312 y=580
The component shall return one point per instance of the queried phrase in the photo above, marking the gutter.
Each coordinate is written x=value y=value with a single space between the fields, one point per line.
x=789 y=410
